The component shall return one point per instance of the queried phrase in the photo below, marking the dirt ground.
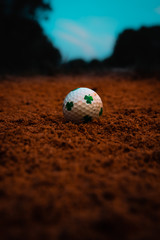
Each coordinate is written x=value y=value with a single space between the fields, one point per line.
x=94 y=181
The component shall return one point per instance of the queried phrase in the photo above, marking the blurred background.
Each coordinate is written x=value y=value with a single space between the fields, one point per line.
x=66 y=181
x=46 y=37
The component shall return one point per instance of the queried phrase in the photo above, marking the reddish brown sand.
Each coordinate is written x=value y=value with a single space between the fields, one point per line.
x=96 y=181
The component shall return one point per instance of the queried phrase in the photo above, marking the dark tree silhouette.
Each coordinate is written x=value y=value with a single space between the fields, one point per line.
x=23 y=8
x=139 y=49
x=76 y=66
x=23 y=46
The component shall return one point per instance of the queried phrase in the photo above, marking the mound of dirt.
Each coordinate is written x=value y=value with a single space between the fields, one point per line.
x=99 y=180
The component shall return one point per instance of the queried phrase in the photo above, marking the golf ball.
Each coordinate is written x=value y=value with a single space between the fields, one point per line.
x=82 y=105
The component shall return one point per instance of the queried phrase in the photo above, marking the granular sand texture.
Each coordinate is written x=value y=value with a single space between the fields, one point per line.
x=99 y=180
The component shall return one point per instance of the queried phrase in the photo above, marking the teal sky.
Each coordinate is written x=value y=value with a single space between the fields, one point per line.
x=89 y=28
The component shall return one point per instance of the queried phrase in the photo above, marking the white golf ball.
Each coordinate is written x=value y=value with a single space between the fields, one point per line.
x=82 y=105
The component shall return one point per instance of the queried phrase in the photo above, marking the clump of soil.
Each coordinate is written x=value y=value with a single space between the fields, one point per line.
x=99 y=180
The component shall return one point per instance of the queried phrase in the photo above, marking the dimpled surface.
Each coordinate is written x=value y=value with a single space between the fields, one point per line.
x=82 y=105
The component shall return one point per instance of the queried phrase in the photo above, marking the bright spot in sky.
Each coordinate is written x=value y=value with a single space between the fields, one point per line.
x=88 y=29
x=157 y=10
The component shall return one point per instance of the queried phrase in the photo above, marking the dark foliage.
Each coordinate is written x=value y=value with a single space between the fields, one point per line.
x=80 y=66
x=23 y=46
x=137 y=49
x=76 y=66
x=23 y=8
